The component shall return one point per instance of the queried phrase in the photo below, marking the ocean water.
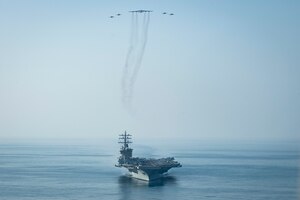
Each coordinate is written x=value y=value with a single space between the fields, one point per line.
x=86 y=171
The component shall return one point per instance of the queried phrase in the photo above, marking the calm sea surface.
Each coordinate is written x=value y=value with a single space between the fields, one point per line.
x=52 y=171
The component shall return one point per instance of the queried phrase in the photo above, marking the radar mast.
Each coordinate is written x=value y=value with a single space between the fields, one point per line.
x=125 y=139
x=126 y=152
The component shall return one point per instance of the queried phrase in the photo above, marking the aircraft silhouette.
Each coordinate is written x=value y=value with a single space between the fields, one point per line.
x=140 y=11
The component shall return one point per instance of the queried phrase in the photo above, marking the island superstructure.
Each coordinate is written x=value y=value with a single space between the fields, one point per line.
x=143 y=168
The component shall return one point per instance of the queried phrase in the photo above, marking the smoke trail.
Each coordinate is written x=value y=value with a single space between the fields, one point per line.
x=134 y=57
x=141 y=53
x=129 y=52
x=130 y=58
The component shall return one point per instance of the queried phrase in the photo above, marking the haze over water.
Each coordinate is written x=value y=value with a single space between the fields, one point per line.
x=218 y=88
x=226 y=70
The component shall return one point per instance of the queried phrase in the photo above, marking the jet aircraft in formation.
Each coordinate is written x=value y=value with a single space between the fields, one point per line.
x=140 y=11
x=164 y=13
x=112 y=16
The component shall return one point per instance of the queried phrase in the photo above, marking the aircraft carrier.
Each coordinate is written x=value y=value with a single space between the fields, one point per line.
x=147 y=169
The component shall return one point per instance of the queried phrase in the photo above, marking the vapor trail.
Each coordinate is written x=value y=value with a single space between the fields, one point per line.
x=141 y=53
x=134 y=57
x=128 y=56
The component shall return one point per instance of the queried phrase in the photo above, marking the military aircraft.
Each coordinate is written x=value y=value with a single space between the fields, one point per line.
x=141 y=11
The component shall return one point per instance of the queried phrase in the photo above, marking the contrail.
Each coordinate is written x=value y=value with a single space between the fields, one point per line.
x=129 y=52
x=134 y=57
x=141 y=53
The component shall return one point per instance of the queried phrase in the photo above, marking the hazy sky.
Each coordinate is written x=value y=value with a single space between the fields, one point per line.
x=216 y=70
